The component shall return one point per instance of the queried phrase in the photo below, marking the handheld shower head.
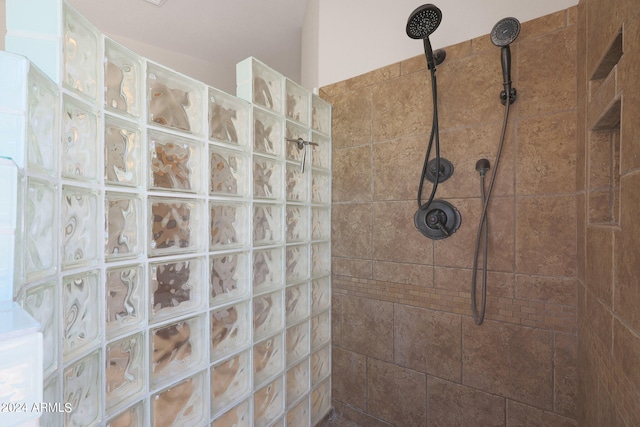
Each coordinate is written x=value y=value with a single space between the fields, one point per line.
x=421 y=24
x=423 y=21
x=502 y=35
x=505 y=32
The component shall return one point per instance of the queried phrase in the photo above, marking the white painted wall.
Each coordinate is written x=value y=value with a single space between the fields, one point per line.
x=358 y=36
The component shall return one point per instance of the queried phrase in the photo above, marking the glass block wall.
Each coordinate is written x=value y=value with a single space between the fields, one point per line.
x=174 y=240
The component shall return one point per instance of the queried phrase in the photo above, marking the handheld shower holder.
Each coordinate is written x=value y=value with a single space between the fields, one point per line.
x=513 y=94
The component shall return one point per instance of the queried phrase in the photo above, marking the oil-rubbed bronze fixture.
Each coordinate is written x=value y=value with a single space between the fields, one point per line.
x=301 y=144
x=436 y=219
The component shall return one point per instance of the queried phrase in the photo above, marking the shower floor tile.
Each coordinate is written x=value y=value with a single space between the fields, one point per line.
x=337 y=421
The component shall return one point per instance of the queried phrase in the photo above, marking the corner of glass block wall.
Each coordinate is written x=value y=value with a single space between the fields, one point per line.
x=320 y=115
x=260 y=84
x=28 y=115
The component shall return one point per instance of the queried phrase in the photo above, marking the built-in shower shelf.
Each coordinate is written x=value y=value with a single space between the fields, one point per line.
x=604 y=105
x=610 y=58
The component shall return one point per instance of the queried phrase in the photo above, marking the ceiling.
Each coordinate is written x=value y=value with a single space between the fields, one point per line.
x=222 y=32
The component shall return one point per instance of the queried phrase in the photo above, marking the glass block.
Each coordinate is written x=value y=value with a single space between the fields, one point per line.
x=176 y=287
x=42 y=124
x=267 y=178
x=174 y=225
x=320 y=294
x=38 y=244
x=320 y=329
x=80 y=140
x=297 y=184
x=229 y=172
x=175 y=163
x=124 y=369
x=173 y=100
x=81 y=312
x=267 y=224
x=320 y=401
x=230 y=329
x=297 y=382
x=79 y=226
x=268 y=403
x=297 y=103
x=260 y=84
x=80 y=54
x=320 y=259
x=297 y=303
x=230 y=380
x=320 y=115
x=268 y=359
x=268 y=137
x=267 y=270
x=297 y=263
x=299 y=415
x=82 y=391
x=267 y=315
x=321 y=153
x=239 y=416
x=229 y=118
x=130 y=417
x=51 y=395
x=124 y=299
x=297 y=343
x=182 y=404
x=320 y=223
x=123 y=222
x=297 y=223
x=176 y=348
x=295 y=131
x=122 y=152
x=229 y=225
x=320 y=365
x=122 y=79
x=229 y=278
x=321 y=188
x=41 y=302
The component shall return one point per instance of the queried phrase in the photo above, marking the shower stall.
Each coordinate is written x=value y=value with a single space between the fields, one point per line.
x=172 y=241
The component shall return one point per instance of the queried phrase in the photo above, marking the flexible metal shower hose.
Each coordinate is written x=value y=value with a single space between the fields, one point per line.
x=478 y=317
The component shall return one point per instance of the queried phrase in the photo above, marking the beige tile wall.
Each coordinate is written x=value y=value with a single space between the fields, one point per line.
x=609 y=245
x=405 y=348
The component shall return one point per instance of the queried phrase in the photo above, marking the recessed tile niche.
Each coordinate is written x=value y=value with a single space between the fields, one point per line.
x=605 y=100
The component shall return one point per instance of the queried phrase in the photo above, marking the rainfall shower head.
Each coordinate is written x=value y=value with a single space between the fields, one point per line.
x=505 y=32
x=423 y=21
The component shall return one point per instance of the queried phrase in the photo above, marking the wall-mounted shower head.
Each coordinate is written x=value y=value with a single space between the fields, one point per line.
x=421 y=24
x=502 y=35
x=423 y=21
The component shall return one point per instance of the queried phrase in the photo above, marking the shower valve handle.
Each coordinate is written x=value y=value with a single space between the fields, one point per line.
x=301 y=144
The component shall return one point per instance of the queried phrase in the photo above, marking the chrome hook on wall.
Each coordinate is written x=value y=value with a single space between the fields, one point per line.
x=301 y=144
